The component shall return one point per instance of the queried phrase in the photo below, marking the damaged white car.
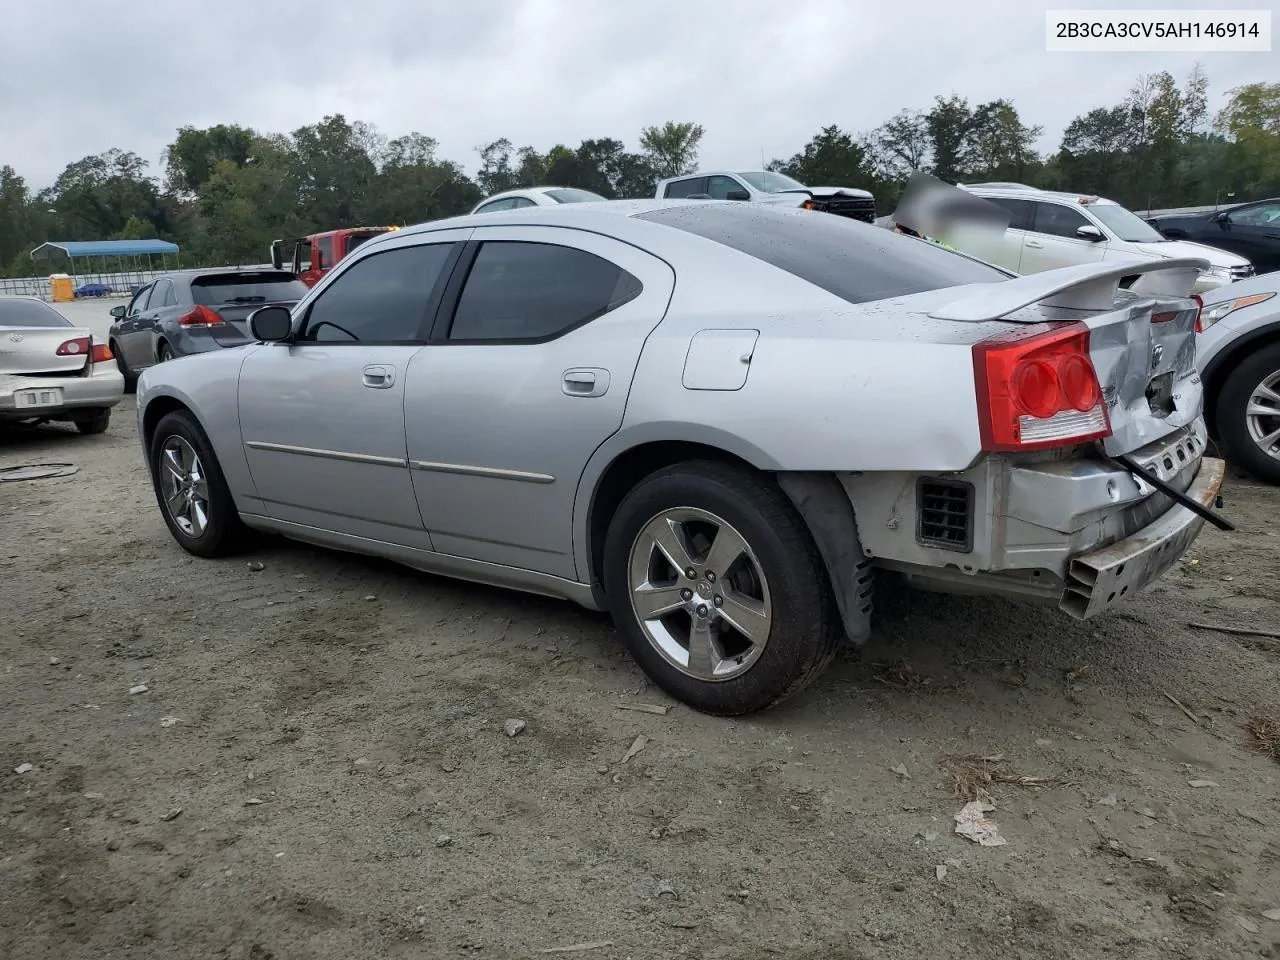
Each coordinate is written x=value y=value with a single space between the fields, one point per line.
x=715 y=420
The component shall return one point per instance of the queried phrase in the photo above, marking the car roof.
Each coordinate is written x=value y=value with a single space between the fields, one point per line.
x=525 y=191
x=1035 y=193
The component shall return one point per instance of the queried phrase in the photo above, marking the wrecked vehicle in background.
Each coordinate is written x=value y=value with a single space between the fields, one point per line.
x=715 y=420
x=767 y=186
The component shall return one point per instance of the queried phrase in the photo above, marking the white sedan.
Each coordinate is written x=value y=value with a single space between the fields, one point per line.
x=535 y=197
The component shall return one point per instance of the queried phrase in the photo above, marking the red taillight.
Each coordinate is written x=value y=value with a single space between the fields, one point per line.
x=1199 y=310
x=78 y=347
x=101 y=353
x=200 y=316
x=1037 y=388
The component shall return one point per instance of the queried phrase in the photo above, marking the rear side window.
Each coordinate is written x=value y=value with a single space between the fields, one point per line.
x=29 y=313
x=1019 y=211
x=162 y=295
x=572 y=195
x=381 y=299
x=854 y=261
x=497 y=205
x=220 y=288
x=537 y=291
x=686 y=188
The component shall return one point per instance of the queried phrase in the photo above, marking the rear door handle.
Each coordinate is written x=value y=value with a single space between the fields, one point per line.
x=585 y=382
x=379 y=376
x=1035 y=244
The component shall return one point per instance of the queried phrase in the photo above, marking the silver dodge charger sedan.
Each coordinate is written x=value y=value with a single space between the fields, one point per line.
x=715 y=420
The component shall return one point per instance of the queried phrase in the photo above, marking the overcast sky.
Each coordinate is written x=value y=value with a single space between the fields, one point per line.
x=82 y=76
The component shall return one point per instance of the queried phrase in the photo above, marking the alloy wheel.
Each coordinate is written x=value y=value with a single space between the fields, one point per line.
x=699 y=594
x=184 y=485
x=1262 y=415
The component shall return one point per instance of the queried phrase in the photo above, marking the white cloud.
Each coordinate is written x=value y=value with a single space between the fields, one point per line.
x=760 y=75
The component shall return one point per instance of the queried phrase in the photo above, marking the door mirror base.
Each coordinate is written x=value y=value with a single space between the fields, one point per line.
x=1090 y=233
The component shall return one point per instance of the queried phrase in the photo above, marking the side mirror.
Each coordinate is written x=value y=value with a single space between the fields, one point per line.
x=1090 y=233
x=737 y=195
x=119 y=312
x=271 y=324
x=1223 y=218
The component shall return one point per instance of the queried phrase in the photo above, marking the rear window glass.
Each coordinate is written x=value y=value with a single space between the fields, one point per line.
x=247 y=288
x=572 y=195
x=854 y=261
x=29 y=313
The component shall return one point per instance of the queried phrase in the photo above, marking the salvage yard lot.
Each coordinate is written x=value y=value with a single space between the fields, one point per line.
x=318 y=766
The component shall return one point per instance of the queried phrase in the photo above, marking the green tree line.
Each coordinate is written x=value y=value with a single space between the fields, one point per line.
x=226 y=191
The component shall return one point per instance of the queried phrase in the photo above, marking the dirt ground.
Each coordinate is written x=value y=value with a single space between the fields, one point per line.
x=318 y=766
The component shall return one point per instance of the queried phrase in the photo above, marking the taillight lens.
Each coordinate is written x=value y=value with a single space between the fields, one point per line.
x=78 y=347
x=200 y=316
x=1037 y=388
x=102 y=353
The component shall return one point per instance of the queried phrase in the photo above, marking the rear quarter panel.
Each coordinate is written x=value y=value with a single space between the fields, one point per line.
x=207 y=385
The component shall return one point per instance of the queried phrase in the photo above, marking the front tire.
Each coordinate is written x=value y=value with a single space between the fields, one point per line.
x=718 y=589
x=1249 y=414
x=193 y=495
x=130 y=379
x=97 y=423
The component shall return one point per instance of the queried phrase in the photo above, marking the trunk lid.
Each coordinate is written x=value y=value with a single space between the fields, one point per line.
x=34 y=350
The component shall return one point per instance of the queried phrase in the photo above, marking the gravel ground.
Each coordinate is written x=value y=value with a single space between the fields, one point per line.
x=318 y=766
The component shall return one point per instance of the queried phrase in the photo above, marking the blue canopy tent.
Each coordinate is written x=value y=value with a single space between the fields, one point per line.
x=127 y=254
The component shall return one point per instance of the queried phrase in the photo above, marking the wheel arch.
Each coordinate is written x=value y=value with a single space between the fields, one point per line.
x=1219 y=368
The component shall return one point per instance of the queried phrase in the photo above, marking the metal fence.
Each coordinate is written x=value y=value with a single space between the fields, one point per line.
x=121 y=284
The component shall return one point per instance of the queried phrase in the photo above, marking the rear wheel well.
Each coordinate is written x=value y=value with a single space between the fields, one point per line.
x=1223 y=368
x=625 y=472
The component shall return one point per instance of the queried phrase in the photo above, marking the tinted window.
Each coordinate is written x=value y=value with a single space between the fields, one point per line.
x=139 y=302
x=1266 y=215
x=1125 y=224
x=355 y=239
x=247 y=288
x=572 y=195
x=380 y=299
x=1058 y=220
x=767 y=181
x=29 y=313
x=322 y=253
x=1019 y=210
x=686 y=188
x=497 y=205
x=720 y=187
x=854 y=261
x=162 y=295
x=533 y=291
x=518 y=202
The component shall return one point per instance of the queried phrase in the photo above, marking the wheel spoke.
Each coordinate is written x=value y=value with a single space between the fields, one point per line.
x=199 y=517
x=668 y=536
x=1267 y=441
x=1265 y=392
x=173 y=454
x=725 y=550
x=702 y=655
x=750 y=617
x=1256 y=409
x=654 y=602
x=177 y=503
x=201 y=489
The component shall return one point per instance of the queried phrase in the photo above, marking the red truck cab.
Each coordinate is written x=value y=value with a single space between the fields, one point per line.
x=315 y=255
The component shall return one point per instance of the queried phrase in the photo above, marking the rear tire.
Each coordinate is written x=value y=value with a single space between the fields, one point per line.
x=98 y=423
x=164 y=352
x=130 y=379
x=691 y=639
x=1253 y=384
x=191 y=490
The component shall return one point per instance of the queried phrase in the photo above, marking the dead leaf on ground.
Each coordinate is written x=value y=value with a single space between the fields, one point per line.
x=1265 y=730
x=972 y=775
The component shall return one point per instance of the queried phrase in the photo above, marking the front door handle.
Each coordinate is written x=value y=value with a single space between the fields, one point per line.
x=379 y=376
x=585 y=382
x=1035 y=244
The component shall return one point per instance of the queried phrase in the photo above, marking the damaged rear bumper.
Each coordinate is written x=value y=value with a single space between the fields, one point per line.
x=1097 y=580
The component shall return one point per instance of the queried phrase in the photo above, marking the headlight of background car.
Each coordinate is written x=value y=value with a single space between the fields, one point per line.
x=1211 y=315
x=1218 y=273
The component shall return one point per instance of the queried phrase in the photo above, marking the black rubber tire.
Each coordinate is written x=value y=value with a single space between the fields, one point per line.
x=1232 y=403
x=98 y=423
x=130 y=379
x=805 y=635
x=164 y=352
x=225 y=533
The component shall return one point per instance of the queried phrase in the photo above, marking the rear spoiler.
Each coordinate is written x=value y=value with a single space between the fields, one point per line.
x=1088 y=286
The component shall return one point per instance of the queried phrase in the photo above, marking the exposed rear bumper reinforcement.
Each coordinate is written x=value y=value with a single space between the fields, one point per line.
x=1098 y=580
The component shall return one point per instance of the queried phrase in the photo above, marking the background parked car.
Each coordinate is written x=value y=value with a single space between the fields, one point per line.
x=1238 y=353
x=1048 y=230
x=1249 y=229
x=534 y=197
x=50 y=370
x=671 y=409
x=194 y=311
x=767 y=186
